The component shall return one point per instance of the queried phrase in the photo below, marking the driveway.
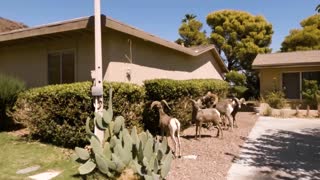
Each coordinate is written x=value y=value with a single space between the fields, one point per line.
x=279 y=149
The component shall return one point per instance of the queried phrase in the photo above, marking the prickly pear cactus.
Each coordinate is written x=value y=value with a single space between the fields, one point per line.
x=122 y=150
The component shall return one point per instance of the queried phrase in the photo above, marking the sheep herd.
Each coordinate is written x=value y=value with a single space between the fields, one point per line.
x=208 y=109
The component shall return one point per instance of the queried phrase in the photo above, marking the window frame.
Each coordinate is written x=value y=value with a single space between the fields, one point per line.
x=60 y=52
x=300 y=79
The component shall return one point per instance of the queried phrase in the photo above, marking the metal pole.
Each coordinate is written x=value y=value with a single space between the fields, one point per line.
x=97 y=88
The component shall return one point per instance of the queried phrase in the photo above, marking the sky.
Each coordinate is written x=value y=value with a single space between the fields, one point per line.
x=163 y=17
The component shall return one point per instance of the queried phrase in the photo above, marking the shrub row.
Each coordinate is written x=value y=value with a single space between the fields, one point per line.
x=57 y=113
x=177 y=93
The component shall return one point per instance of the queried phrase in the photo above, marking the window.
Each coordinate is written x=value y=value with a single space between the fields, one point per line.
x=292 y=82
x=312 y=76
x=291 y=85
x=61 y=67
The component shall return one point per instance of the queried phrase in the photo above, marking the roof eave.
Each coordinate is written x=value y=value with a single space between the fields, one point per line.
x=285 y=65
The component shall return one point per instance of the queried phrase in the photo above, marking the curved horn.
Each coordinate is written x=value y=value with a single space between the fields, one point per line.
x=212 y=95
x=193 y=102
x=242 y=101
x=165 y=102
x=237 y=100
x=154 y=103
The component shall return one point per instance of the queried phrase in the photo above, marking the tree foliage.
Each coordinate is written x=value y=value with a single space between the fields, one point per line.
x=307 y=38
x=237 y=83
x=190 y=32
x=240 y=36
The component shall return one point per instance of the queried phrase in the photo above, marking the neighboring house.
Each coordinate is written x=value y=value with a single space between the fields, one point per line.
x=286 y=71
x=63 y=52
x=8 y=25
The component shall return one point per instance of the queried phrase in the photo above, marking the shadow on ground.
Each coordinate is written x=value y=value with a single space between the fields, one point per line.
x=295 y=153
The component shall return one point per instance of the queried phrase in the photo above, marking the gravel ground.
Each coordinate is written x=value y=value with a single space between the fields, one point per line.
x=214 y=155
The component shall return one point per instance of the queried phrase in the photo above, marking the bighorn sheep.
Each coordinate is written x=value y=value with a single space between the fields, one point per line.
x=168 y=124
x=200 y=116
x=227 y=107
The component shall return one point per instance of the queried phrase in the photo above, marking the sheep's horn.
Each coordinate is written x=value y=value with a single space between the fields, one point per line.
x=154 y=103
x=237 y=100
x=165 y=102
x=193 y=101
x=216 y=98
x=243 y=100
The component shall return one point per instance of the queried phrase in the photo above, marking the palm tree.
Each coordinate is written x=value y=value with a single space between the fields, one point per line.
x=188 y=17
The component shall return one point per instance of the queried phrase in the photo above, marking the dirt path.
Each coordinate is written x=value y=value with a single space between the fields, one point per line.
x=214 y=156
x=280 y=149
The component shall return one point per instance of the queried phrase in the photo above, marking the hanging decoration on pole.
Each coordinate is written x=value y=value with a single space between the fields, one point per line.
x=96 y=75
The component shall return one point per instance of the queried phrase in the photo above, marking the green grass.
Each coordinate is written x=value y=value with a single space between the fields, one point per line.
x=17 y=153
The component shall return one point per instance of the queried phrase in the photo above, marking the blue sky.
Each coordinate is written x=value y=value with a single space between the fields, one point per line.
x=161 y=18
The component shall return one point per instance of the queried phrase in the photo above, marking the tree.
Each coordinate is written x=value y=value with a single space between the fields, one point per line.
x=240 y=36
x=307 y=38
x=190 y=32
x=237 y=83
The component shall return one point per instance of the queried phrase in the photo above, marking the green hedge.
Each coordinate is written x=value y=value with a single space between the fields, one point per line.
x=57 y=113
x=177 y=93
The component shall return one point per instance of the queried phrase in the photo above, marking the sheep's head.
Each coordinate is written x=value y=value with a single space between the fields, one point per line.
x=195 y=104
x=159 y=105
x=210 y=99
x=239 y=102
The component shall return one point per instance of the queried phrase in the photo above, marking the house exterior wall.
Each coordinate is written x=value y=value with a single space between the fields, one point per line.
x=271 y=78
x=150 y=61
x=28 y=60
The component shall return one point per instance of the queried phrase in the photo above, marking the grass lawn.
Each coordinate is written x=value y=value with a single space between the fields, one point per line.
x=17 y=153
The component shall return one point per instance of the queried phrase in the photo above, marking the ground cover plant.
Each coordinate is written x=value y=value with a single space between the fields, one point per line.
x=18 y=153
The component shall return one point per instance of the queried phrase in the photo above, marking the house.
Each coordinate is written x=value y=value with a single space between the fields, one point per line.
x=63 y=52
x=286 y=71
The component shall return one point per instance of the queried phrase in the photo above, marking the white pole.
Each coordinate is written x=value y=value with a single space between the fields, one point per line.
x=98 y=100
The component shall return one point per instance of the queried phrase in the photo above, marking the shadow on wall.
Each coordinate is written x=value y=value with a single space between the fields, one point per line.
x=295 y=153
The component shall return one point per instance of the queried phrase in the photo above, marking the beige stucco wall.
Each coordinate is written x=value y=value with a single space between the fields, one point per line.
x=150 y=61
x=28 y=59
x=272 y=78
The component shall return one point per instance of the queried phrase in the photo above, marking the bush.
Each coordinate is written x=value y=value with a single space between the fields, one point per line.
x=276 y=99
x=10 y=87
x=309 y=92
x=177 y=93
x=57 y=113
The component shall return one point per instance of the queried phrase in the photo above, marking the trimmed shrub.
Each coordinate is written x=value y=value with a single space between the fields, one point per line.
x=276 y=99
x=177 y=93
x=10 y=87
x=57 y=113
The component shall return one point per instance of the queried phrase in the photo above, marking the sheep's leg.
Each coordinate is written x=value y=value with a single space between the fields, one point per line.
x=219 y=131
x=178 y=136
x=196 y=135
x=162 y=134
x=173 y=129
x=200 y=130
x=230 y=121
x=234 y=121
